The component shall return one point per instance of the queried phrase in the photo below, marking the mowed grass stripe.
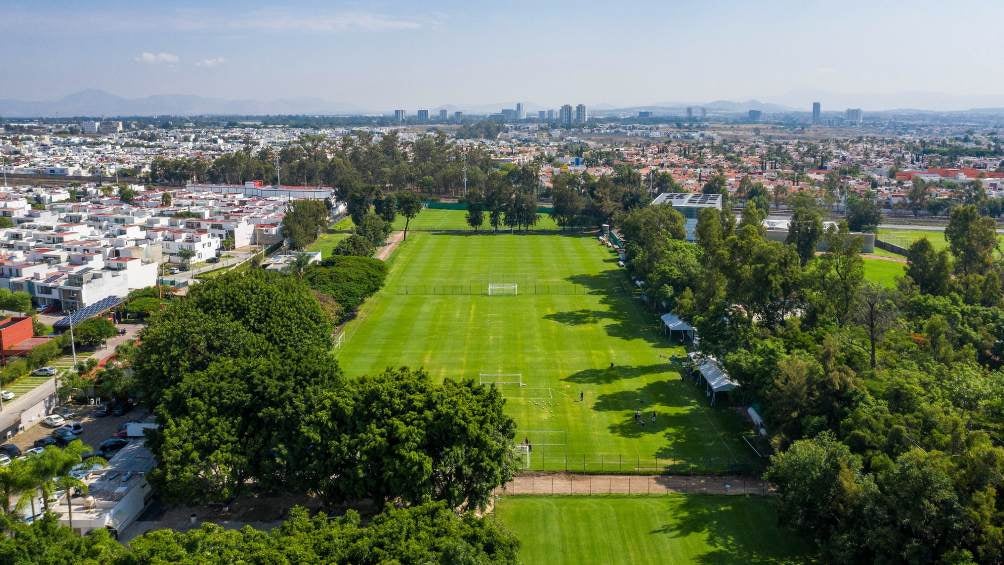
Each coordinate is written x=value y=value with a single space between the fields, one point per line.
x=564 y=342
x=649 y=529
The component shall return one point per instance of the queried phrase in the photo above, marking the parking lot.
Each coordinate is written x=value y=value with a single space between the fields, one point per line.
x=95 y=430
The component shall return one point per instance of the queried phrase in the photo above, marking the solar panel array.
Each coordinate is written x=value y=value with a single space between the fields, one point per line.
x=88 y=312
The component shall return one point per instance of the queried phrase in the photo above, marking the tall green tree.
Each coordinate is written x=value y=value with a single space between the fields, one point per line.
x=972 y=239
x=410 y=205
x=806 y=227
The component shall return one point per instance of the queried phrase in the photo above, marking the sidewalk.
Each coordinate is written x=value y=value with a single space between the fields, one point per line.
x=555 y=484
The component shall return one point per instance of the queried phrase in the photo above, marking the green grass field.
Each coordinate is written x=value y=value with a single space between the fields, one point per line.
x=572 y=318
x=883 y=272
x=433 y=219
x=904 y=238
x=326 y=242
x=648 y=529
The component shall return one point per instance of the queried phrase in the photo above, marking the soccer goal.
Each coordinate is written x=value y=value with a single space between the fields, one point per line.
x=503 y=289
x=499 y=379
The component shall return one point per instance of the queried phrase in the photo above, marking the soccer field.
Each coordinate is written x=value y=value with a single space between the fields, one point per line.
x=432 y=219
x=572 y=327
x=649 y=529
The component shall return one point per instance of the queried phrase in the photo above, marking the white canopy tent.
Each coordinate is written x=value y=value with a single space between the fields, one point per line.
x=673 y=323
x=714 y=376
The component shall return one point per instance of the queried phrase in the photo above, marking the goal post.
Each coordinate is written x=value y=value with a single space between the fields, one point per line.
x=503 y=289
x=500 y=379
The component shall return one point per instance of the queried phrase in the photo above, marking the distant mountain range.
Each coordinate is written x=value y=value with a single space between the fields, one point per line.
x=98 y=103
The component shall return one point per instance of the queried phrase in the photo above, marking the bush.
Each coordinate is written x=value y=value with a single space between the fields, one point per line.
x=374 y=229
x=349 y=280
x=354 y=245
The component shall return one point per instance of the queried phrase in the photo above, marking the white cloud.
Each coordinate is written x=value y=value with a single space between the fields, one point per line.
x=156 y=58
x=211 y=62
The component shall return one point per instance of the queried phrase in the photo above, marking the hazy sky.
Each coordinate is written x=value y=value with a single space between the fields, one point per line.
x=382 y=55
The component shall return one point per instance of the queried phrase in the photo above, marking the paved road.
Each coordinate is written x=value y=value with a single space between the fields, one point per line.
x=10 y=415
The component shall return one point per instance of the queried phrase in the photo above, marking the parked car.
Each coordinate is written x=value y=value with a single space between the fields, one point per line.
x=63 y=436
x=43 y=442
x=54 y=420
x=111 y=446
x=6 y=395
x=10 y=450
x=121 y=408
x=4 y=460
x=76 y=427
x=44 y=371
x=34 y=450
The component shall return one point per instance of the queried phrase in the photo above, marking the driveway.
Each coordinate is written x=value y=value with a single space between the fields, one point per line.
x=10 y=415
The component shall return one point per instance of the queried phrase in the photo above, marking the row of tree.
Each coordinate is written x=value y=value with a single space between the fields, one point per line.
x=427 y=533
x=884 y=405
x=241 y=377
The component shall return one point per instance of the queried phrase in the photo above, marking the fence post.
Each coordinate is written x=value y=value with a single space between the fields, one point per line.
x=552 y=485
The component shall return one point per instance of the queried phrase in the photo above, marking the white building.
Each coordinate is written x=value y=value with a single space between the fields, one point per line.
x=116 y=494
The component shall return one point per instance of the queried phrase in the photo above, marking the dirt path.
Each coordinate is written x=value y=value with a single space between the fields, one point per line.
x=395 y=239
x=568 y=483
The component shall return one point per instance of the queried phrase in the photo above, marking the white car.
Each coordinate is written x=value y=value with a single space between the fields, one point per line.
x=44 y=371
x=33 y=451
x=6 y=395
x=54 y=421
x=4 y=460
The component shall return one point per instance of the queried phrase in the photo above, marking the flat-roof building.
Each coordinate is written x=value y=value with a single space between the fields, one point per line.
x=689 y=204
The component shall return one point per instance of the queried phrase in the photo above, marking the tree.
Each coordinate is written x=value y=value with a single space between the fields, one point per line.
x=373 y=229
x=302 y=221
x=806 y=227
x=931 y=270
x=6 y=222
x=475 y=209
x=568 y=204
x=386 y=208
x=972 y=239
x=348 y=280
x=354 y=245
x=875 y=309
x=299 y=264
x=16 y=301
x=863 y=214
x=94 y=332
x=397 y=436
x=410 y=205
x=916 y=197
x=165 y=198
x=822 y=492
x=186 y=255
x=126 y=194
x=841 y=269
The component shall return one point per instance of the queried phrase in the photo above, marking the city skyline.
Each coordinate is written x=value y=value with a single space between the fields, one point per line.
x=683 y=53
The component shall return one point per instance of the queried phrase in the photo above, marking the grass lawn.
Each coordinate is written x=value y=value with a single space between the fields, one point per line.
x=883 y=272
x=649 y=529
x=432 y=219
x=572 y=318
x=904 y=238
x=326 y=242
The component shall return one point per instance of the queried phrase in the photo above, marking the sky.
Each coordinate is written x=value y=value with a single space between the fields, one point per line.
x=387 y=54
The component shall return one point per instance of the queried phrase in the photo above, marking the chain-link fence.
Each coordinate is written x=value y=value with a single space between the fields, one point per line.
x=552 y=457
x=575 y=484
x=482 y=288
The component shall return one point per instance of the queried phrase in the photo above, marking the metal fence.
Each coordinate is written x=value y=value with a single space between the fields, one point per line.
x=474 y=289
x=554 y=458
x=556 y=484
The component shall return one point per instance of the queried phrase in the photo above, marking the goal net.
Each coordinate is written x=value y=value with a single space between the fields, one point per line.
x=503 y=289
x=499 y=379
